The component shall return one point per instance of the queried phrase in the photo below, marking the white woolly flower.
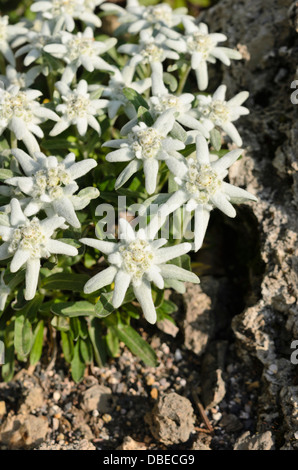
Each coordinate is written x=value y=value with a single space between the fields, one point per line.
x=36 y=41
x=137 y=260
x=162 y=100
x=4 y=292
x=216 y=111
x=201 y=187
x=64 y=12
x=22 y=80
x=22 y=114
x=77 y=109
x=50 y=185
x=7 y=34
x=154 y=18
x=81 y=49
x=145 y=147
x=27 y=241
x=150 y=50
x=202 y=48
x=114 y=91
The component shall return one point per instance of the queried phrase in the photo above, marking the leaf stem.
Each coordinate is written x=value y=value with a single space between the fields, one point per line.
x=183 y=80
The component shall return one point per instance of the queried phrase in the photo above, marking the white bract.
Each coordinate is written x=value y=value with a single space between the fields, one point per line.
x=7 y=34
x=202 y=48
x=64 y=12
x=36 y=41
x=114 y=91
x=216 y=111
x=201 y=187
x=150 y=50
x=4 y=292
x=22 y=114
x=145 y=147
x=162 y=100
x=77 y=109
x=50 y=185
x=153 y=18
x=137 y=260
x=27 y=241
x=22 y=80
x=81 y=49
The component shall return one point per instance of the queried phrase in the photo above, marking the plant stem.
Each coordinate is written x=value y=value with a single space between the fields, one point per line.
x=183 y=80
x=13 y=140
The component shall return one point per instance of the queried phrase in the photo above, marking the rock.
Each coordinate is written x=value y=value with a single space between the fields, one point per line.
x=131 y=444
x=2 y=408
x=22 y=431
x=84 y=445
x=97 y=397
x=213 y=385
x=202 y=443
x=168 y=327
x=34 y=399
x=172 y=419
x=205 y=312
x=230 y=423
x=263 y=441
x=266 y=30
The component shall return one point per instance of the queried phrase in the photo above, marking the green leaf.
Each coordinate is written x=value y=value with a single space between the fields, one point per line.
x=60 y=323
x=23 y=336
x=77 y=364
x=67 y=345
x=5 y=174
x=36 y=350
x=168 y=307
x=170 y=80
x=65 y=281
x=112 y=343
x=136 y=344
x=86 y=350
x=8 y=366
x=104 y=307
x=73 y=309
x=135 y=98
x=96 y=336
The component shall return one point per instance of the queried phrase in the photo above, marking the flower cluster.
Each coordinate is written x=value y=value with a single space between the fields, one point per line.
x=72 y=94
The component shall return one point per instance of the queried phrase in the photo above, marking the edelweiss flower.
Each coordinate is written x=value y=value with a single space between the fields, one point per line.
x=78 y=109
x=22 y=114
x=137 y=260
x=162 y=100
x=7 y=34
x=81 y=49
x=114 y=91
x=149 y=50
x=215 y=111
x=4 y=292
x=145 y=147
x=22 y=80
x=64 y=12
x=202 y=188
x=27 y=241
x=36 y=41
x=50 y=184
x=154 y=18
x=202 y=48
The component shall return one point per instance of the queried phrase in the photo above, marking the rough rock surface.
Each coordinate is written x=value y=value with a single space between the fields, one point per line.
x=262 y=441
x=264 y=30
x=98 y=398
x=172 y=419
